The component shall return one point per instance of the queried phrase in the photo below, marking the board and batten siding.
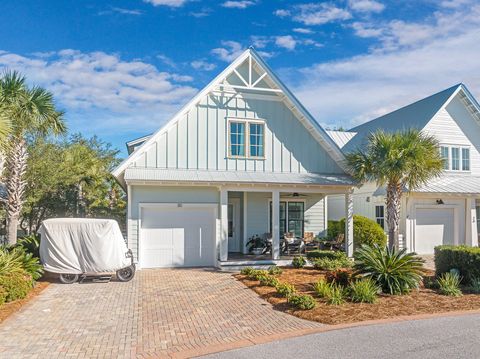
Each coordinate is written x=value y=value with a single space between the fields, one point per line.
x=454 y=125
x=199 y=139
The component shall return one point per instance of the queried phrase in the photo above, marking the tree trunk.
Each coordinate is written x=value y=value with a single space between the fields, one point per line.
x=394 y=195
x=16 y=167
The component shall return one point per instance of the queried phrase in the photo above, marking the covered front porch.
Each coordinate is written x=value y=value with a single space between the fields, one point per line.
x=270 y=213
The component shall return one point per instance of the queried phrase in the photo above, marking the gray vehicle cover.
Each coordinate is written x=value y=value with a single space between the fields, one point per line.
x=81 y=245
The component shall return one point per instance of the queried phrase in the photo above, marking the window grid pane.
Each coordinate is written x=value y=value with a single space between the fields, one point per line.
x=465 y=159
x=455 y=159
x=256 y=139
x=237 y=139
x=444 y=155
x=380 y=215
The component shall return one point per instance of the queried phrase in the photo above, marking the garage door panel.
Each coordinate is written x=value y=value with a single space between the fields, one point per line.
x=433 y=227
x=175 y=236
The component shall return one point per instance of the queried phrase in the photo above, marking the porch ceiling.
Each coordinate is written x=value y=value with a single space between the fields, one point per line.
x=243 y=177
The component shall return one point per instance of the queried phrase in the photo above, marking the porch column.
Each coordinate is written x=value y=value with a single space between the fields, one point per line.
x=275 y=224
x=471 y=238
x=223 y=224
x=349 y=223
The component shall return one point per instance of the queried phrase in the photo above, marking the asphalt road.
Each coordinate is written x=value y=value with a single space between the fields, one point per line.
x=447 y=337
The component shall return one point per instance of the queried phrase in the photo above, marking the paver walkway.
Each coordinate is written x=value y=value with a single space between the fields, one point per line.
x=159 y=313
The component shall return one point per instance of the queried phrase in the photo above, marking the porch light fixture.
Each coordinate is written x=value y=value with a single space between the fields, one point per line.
x=440 y=201
x=295 y=194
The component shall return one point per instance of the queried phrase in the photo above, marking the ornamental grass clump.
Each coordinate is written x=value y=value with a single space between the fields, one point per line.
x=364 y=291
x=299 y=262
x=322 y=288
x=331 y=292
x=449 y=284
x=396 y=272
x=303 y=302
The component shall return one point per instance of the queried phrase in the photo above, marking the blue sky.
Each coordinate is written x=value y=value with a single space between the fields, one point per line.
x=120 y=69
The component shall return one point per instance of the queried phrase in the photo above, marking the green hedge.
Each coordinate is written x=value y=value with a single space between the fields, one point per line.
x=365 y=231
x=333 y=229
x=465 y=259
x=319 y=254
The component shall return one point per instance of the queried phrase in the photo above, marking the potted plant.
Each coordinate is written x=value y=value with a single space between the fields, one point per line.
x=256 y=245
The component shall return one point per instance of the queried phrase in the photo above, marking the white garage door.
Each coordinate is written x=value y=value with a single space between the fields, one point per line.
x=433 y=227
x=177 y=236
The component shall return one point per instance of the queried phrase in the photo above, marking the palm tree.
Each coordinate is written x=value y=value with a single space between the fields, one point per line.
x=31 y=110
x=401 y=161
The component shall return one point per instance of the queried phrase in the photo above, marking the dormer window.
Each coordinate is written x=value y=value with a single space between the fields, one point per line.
x=246 y=138
x=455 y=158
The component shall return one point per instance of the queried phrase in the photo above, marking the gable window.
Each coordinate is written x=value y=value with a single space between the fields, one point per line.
x=455 y=158
x=247 y=138
x=256 y=139
x=445 y=157
x=237 y=139
x=380 y=215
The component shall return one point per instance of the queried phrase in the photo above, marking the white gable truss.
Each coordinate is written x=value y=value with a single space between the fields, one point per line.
x=247 y=73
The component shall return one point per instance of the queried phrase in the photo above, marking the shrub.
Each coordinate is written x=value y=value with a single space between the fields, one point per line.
x=269 y=281
x=303 y=302
x=474 y=286
x=449 y=284
x=16 y=285
x=3 y=296
x=333 y=229
x=274 y=270
x=336 y=294
x=299 y=262
x=341 y=276
x=465 y=259
x=365 y=231
x=364 y=291
x=331 y=264
x=319 y=254
x=396 y=272
x=9 y=263
x=322 y=288
x=257 y=274
x=29 y=263
x=285 y=290
x=31 y=244
x=247 y=271
x=430 y=282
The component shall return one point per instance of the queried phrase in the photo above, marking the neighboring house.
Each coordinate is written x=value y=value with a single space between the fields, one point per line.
x=242 y=158
x=446 y=210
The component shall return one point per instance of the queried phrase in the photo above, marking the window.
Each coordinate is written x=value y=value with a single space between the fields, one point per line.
x=455 y=158
x=380 y=215
x=444 y=155
x=247 y=138
x=237 y=139
x=256 y=139
x=465 y=159
x=291 y=213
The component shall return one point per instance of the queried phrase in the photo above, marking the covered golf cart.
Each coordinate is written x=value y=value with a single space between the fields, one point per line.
x=82 y=246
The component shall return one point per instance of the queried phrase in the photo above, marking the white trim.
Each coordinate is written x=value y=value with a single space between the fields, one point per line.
x=141 y=205
x=245 y=224
x=246 y=143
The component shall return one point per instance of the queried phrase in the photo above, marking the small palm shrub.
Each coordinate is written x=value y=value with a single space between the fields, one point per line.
x=340 y=276
x=29 y=262
x=303 y=302
x=285 y=290
x=449 y=284
x=247 y=271
x=9 y=263
x=269 y=281
x=31 y=244
x=364 y=291
x=16 y=285
x=274 y=270
x=331 y=264
x=299 y=262
x=396 y=272
x=474 y=285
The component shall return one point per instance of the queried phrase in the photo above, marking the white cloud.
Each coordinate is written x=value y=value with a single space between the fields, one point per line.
x=319 y=14
x=366 y=30
x=201 y=13
x=127 y=94
x=366 y=6
x=203 y=65
x=282 y=13
x=302 y=30
x=240 y=4
x=287 y=42
x=353 y=90
x=229 y=52
x=167 y=61
x=453 y=4
x=169 y=3
x=121 y=11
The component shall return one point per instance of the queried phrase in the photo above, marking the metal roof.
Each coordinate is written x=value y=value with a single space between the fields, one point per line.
x=341 y=138
x=455 y=184
x=183 y=175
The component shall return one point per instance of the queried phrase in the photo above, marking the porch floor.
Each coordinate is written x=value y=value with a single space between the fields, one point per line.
x=237 y=261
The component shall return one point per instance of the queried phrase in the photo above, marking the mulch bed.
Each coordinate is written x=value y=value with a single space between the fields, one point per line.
x=423 y=301
x=8 y=309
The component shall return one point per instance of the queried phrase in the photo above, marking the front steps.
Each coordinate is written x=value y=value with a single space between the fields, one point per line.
x=238 y=265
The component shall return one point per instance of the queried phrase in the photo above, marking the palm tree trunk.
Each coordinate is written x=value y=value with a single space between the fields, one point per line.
x=16 y=167
x=394 y=195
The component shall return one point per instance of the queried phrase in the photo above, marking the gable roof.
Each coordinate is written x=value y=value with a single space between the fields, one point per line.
x=341 y=138
x=278 y=87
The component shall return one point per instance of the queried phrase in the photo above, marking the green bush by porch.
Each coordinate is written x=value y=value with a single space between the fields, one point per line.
x=365 y=231
x=465 y=259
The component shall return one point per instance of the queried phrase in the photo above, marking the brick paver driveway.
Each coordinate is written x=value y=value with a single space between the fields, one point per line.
x=159 y=313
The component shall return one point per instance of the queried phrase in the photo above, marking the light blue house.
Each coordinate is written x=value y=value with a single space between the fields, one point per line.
x=242 y=158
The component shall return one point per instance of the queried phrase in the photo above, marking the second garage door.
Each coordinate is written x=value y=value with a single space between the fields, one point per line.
x=433 y=227
x=177 y=236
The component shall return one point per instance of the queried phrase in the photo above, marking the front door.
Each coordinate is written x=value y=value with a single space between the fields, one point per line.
x=234 y=225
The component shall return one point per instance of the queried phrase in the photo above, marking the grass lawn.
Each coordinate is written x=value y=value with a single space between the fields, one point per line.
x=423 y=301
